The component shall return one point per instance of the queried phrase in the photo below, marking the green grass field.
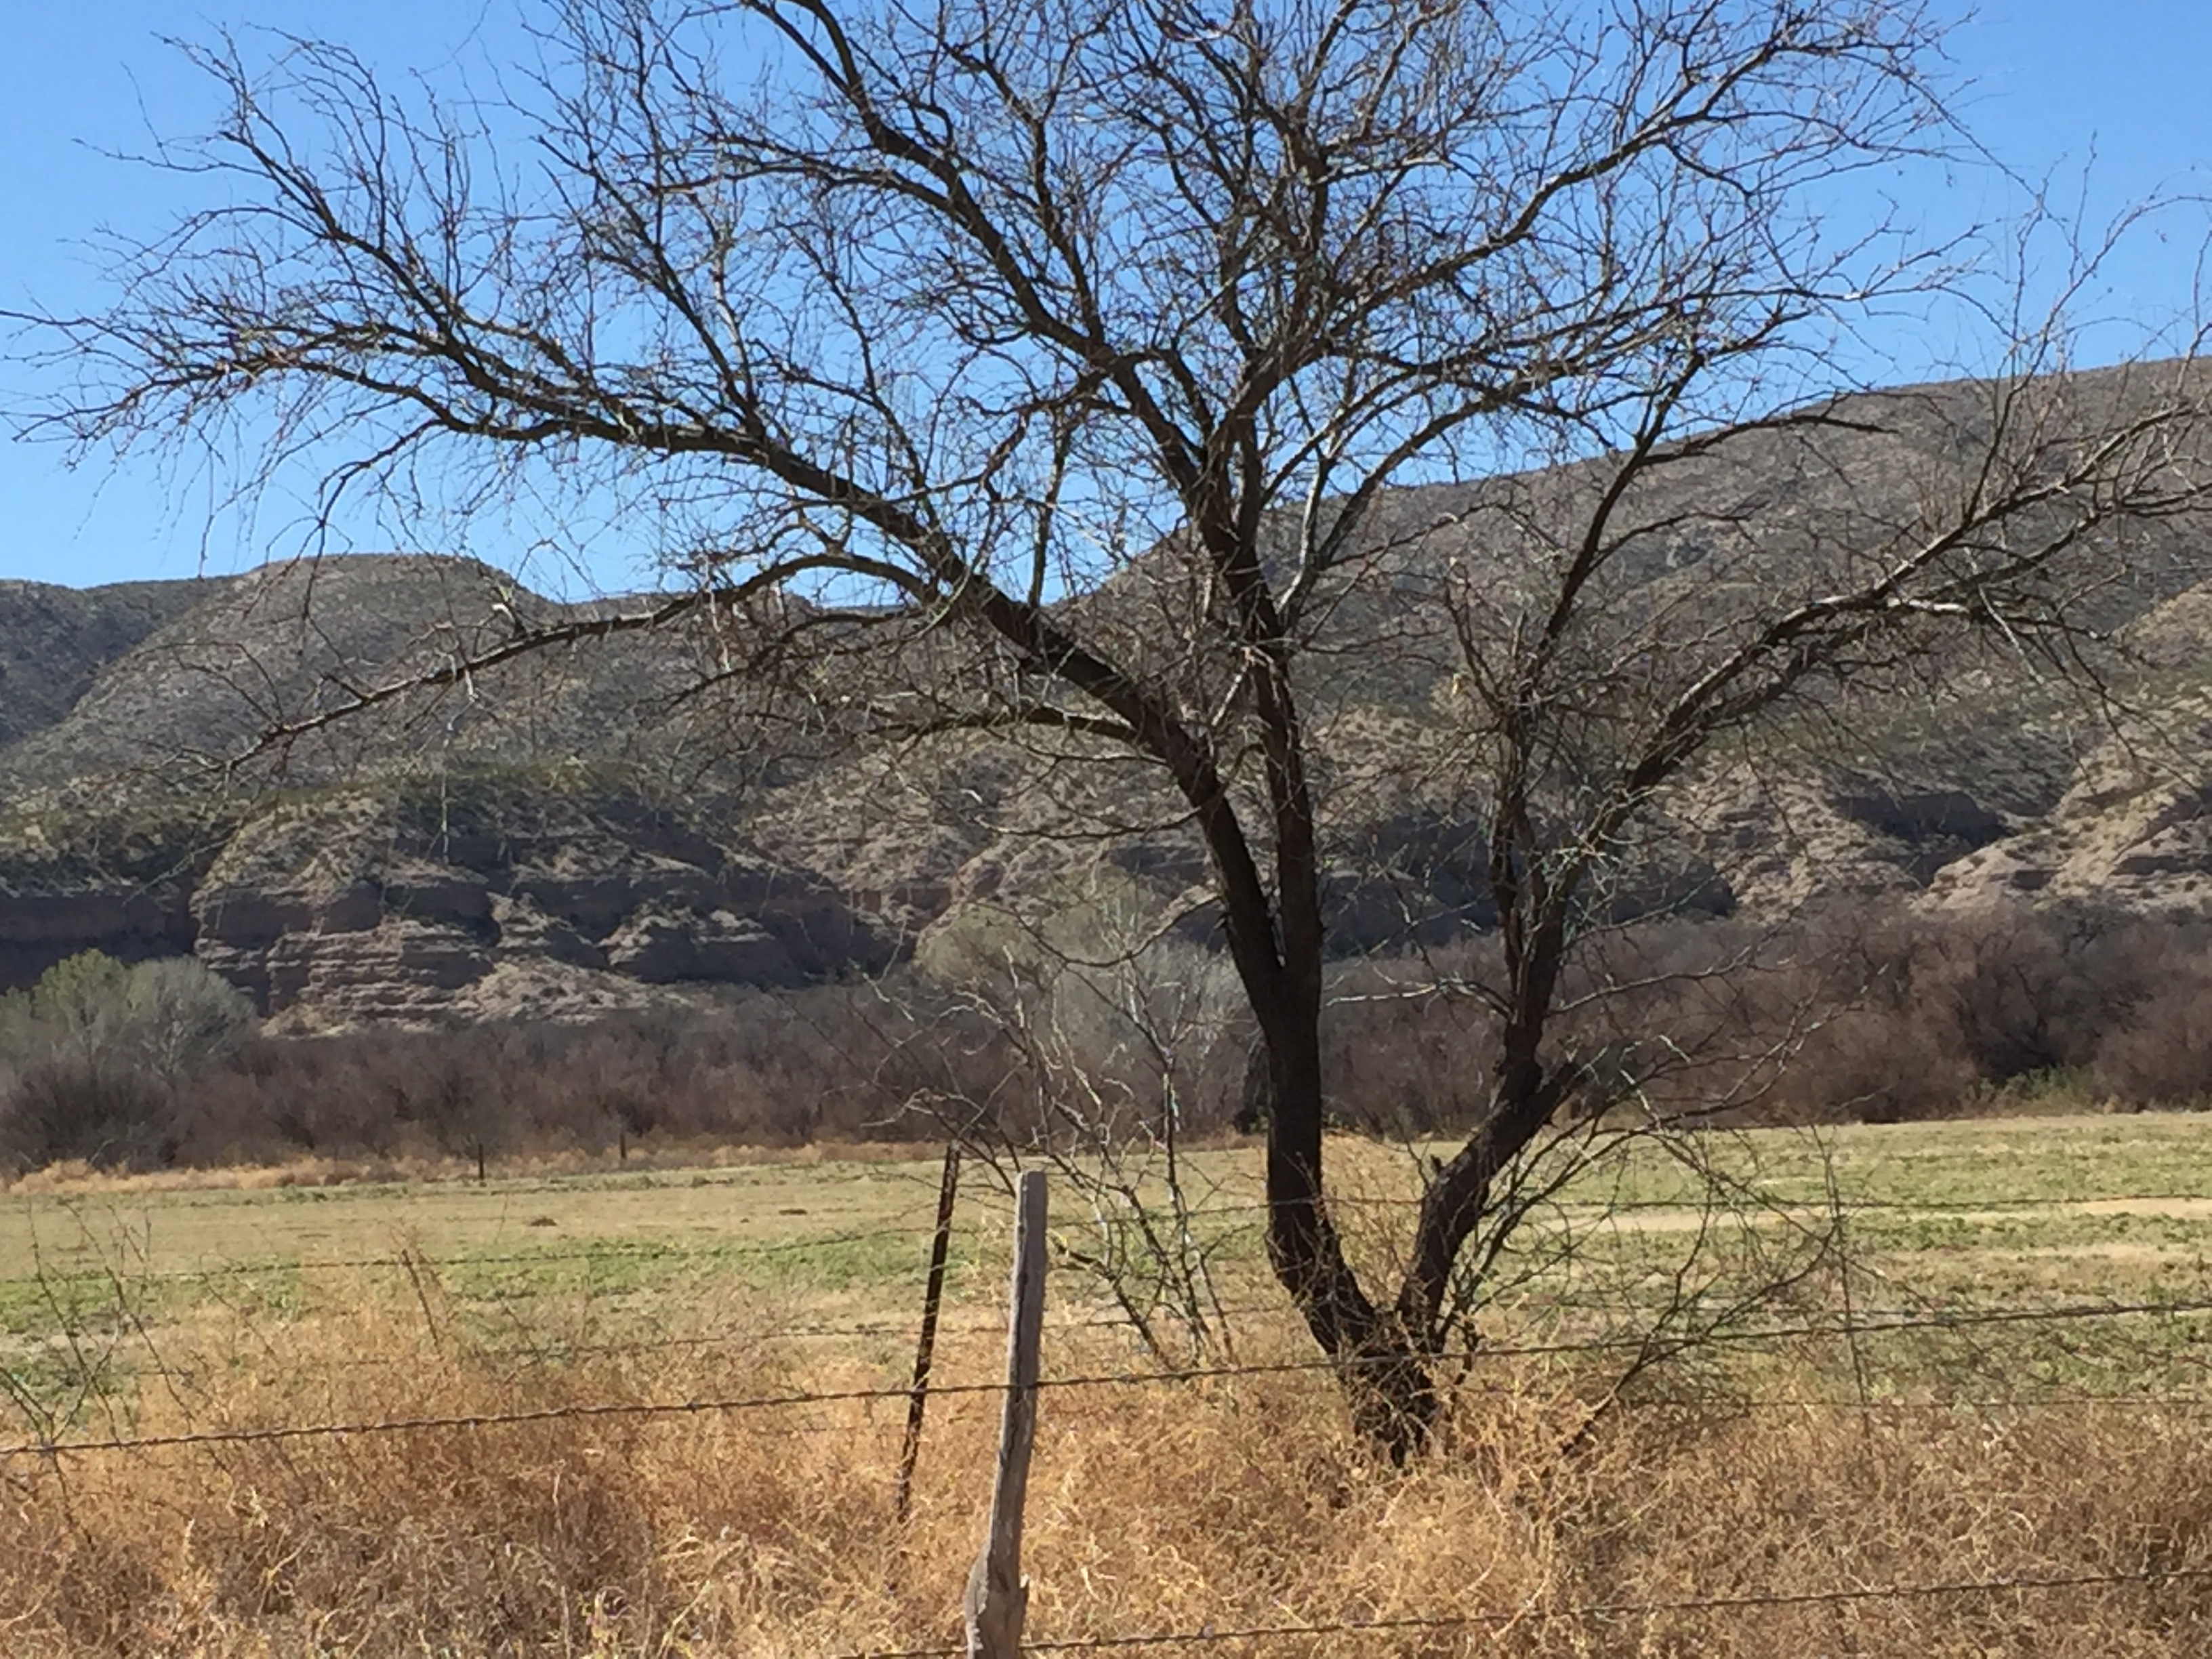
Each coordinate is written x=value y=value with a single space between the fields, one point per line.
x=2046 y=1167
x=97 y=1286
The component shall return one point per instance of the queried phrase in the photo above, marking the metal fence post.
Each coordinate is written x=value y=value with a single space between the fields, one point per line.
x=925 y=1347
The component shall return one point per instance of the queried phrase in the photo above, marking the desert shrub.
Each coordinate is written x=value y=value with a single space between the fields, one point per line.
x=1881 y=1066
x=167 y=1017
x=2163 y=1054
x=2036 y=991
x=1861 y=1012
x=107 y=1115
x=1915 y=1015
x=834 y=1062
x=1404 y=1053
x=2012 y=991
x=1880 y=1036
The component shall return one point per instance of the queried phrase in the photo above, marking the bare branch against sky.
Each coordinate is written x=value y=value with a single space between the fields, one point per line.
x=2048 y=87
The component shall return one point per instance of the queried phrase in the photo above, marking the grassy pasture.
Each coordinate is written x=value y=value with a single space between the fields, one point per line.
x=2047 y=1208
x=1932 y=1445
x=2039 y=1170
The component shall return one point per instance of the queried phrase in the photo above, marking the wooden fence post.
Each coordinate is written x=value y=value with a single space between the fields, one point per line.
x=933 y=1298
x=998 y=1595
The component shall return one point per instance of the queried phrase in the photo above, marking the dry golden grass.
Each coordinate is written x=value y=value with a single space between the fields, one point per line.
x=1223 y=1504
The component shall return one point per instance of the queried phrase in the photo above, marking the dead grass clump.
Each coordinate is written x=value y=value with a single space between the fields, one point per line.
x=1224 y=1505
x=584 y=1533
x=1801 y=1504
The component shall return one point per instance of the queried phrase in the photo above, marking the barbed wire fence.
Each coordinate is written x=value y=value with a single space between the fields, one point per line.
x=1869 y=1327
x=1850 y=1325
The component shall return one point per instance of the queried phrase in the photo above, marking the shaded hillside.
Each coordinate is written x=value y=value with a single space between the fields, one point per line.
x=55 y=641
x=740 y=825
x=276 y=646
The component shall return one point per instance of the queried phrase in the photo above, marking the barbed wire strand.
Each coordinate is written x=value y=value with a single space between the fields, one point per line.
x=1714 y=1403
x=1873 y=1321
x=1747 y=1601
x=1188 y=1374
x=1718 y=1403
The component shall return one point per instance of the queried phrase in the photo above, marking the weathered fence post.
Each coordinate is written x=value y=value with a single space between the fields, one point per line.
x=933 y=1298
x=998 y=1595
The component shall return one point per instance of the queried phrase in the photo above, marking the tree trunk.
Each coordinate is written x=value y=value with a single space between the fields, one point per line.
x=1387 y=1379
x=1386 y=1356
x=1458 y=1197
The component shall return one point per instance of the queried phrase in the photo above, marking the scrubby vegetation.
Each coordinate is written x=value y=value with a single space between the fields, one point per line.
x=98 y=1059
x=1881 y=1016
x=1153 y=1509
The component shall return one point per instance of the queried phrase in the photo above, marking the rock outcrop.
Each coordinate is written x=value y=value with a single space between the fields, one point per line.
x=362 y=905
x=2135 y=832
x=126 y=893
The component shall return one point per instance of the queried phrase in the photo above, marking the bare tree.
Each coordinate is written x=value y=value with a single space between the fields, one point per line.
x=1105 y=337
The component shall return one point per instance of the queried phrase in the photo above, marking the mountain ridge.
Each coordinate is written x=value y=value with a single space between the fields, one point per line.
x=737 y=832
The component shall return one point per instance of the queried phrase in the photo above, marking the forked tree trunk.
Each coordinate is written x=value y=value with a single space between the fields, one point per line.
x=1386 y=1370
x=1387 y=1355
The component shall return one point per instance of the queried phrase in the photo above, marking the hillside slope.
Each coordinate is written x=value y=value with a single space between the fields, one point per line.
x=592 y=827
x=55 y=641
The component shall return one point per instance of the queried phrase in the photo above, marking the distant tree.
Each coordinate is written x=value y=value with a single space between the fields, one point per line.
x=1098 y=336
x=2163 y=1051
x=90 y=1055
x=168 y=1017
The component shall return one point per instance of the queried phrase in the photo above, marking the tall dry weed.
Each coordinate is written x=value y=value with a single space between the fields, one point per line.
x=1219 y=1504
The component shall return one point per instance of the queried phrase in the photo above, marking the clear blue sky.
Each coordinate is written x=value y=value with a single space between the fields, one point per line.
x=2056 y=82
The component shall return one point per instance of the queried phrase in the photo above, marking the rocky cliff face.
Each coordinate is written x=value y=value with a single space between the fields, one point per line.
x=365 y=906
x=370 y=904
x=48 y=914
x=483 y=851
x=454 y=894
x=633 y=819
